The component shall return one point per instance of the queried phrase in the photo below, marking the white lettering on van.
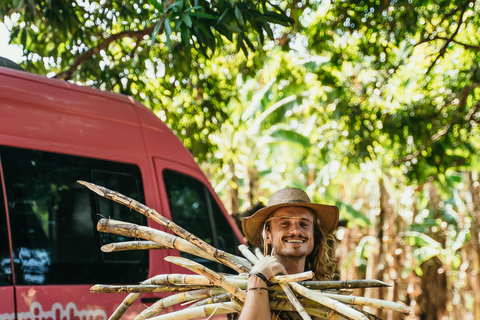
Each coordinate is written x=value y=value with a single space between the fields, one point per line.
x=57 y=313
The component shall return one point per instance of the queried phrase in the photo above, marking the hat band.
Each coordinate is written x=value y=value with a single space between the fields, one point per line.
x=296 y=201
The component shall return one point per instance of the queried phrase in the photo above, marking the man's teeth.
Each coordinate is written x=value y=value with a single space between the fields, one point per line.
x=295 y=241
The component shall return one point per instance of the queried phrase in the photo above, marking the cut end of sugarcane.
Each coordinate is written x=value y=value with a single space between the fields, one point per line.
x=92 y=187
x=96 y=288
x=384 y=284
x=179 y=261
x=108 y=248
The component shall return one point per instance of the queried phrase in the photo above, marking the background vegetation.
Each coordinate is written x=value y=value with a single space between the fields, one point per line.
x=372 y=105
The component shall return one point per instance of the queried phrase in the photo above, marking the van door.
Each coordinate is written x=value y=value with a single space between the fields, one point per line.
x=7 y=307
x=193 y=207
x=55 y=245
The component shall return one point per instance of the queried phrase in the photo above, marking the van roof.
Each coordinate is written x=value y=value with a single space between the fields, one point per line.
x=58 y=116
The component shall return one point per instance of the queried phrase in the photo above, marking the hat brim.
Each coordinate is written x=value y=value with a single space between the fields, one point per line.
x=253 y=226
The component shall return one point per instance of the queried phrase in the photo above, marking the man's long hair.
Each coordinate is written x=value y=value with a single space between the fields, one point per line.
x=322 y=259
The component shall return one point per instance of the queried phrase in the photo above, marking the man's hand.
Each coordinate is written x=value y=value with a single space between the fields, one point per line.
x=269 y=267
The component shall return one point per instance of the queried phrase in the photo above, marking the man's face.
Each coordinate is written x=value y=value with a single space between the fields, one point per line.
x=291 y=232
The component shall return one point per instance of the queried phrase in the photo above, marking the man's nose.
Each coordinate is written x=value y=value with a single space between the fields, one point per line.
x=295 y=229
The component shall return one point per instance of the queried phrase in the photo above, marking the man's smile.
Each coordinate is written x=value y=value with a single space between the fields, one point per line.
x=294 y=240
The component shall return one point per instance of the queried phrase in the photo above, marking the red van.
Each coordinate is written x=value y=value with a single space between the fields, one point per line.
x=53 y=133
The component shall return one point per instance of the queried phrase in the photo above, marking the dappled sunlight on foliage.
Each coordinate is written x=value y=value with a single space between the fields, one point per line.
x=369 y=105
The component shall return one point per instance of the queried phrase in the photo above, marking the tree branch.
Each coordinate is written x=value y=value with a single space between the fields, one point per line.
x=466 y=46
x=446 y=128
x=67 y=74
x=443 y=50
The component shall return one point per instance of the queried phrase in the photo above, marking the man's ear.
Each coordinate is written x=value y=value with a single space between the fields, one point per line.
x=268 y=237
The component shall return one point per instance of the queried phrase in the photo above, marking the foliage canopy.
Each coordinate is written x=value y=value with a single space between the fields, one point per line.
x=371 y=104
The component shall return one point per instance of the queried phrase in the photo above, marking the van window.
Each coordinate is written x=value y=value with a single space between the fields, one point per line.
x=53 y=219
x=194 y=209
x=5 y=262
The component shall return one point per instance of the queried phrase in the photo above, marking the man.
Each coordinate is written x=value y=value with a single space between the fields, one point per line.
x=296 y=237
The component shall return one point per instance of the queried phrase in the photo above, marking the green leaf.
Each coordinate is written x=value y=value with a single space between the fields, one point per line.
x=185 y=34
x=206 y=35
x=239 y=16
x=224 y=31
x=361 y=249
x=201 y=14
x=421 y=239
x=155 y=31
x=425 y=253
x=249 y=43
x=224 y=14
x=354 y=217
x=175 y=6
x=291 y=136
x=267 y=28
x=188 y=21
x=278 y=19
x=168 y=32
x=157 y=5
x=192 y=9
x=259 y=30
x=233 y=28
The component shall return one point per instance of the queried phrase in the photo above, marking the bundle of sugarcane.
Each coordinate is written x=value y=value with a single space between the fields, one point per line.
x=212 y=293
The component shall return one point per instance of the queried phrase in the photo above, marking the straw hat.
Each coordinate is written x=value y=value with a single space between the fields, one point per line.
x=289 y=197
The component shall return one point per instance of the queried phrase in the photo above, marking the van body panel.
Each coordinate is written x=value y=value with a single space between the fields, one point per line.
x=64 y=120
x=48 y=115
x=7 y=307
x=77 y=303
x=167 y=147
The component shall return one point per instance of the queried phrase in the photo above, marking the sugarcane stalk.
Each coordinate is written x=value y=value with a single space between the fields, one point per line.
x=306 y=302
x=126 y=303
x=328 y=302
x=247 y=253
x=102 y=288
x=259 y=253
x=344 y=284
x=181 y=279
x=199 y=312
x=169 y=301
x=291 y=297
x=223 y=297
x=131 y=245
x=137 y=231
x=294 y=301
x=369 y=302
x=227 y=259
x=284 y=305
x=293 y=277
x=130 y=299
x=218 y=279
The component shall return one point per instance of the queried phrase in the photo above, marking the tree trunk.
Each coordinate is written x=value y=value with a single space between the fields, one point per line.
x=434 y=284
x=473 y=245
x=376 y=260
x=434 y=297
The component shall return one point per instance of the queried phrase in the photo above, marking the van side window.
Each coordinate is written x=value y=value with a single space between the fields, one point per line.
x=53 y=219
x=5 y=262
x=194 y=209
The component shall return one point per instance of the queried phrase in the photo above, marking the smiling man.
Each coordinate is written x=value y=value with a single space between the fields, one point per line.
x=296 y=236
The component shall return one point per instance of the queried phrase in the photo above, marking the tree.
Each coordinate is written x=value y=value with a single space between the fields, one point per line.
x=120 y=45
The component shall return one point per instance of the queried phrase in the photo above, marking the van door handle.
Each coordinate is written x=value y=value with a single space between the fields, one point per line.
x=149 y=300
